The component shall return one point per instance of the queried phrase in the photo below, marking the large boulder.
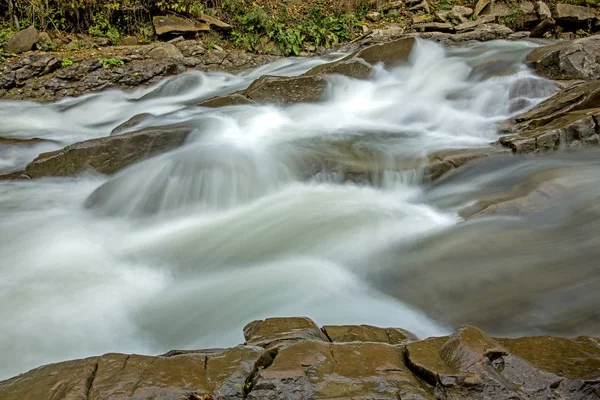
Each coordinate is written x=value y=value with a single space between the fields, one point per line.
x=176 y=25
x=577 y=59
x=107 y=155
x=22 y=41
x=471 y=365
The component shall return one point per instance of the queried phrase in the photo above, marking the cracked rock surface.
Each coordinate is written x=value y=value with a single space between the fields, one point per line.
x=291 y=358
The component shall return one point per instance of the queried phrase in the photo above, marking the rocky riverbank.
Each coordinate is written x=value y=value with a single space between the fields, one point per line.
x=71 y=65
x=569 y=119
x=292 y=358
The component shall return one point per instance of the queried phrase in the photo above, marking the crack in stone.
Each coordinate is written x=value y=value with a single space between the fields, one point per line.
x=140 y=377
x=263 y=362
x=90 y=380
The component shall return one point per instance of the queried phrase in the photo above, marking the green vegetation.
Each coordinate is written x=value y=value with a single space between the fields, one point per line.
x=103 y=28
x=111 y=62
x=292 y=32
x=516 y=19
x=66 y=62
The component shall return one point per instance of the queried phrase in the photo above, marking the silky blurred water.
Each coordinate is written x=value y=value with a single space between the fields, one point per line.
x=183 y=249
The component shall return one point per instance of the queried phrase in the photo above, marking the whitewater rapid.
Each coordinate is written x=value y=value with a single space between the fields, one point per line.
x=182 y=250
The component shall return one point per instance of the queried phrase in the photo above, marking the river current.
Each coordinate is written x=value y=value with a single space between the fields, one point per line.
x=182 y=250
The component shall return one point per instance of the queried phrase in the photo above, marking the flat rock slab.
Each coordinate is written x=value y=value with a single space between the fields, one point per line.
x=367 y=333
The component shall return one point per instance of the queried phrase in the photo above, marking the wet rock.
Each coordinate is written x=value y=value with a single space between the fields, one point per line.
x=122 y=376
x=354 y=68
x=577 y=59
x=165 y=51
x=573 y=13
x=312 y=369
x=177 y=25
x=390 y=53
x=106 y=155
x=277 y=331
x=363 y=362
x=274 y=89
x=470 y=364
x=14 y=175
x=367 y=333
x=444 y=161
x=572 y=129
x=227 y=100
x=22 y=41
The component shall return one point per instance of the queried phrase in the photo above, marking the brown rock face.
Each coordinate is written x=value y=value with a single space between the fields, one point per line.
x=274 y=89
x=276 y=330
x=106 y=155
x=578 y=59
x=121 y=376
x=363 y=362
x=22 y=41
x=312 y=369
x=171 y=24
x=367 y=333
x=471 y=365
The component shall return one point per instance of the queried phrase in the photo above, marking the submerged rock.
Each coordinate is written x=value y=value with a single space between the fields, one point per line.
x=363 y=362
x=275 y=89
x=106 y=155
x=233 y=99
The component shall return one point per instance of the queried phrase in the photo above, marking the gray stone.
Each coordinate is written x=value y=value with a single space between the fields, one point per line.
x=22 y=41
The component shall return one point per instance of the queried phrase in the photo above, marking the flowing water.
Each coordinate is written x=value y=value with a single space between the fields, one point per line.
x=183 y=249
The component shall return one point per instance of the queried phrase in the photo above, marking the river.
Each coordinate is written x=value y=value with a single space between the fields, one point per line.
x=182 y=250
